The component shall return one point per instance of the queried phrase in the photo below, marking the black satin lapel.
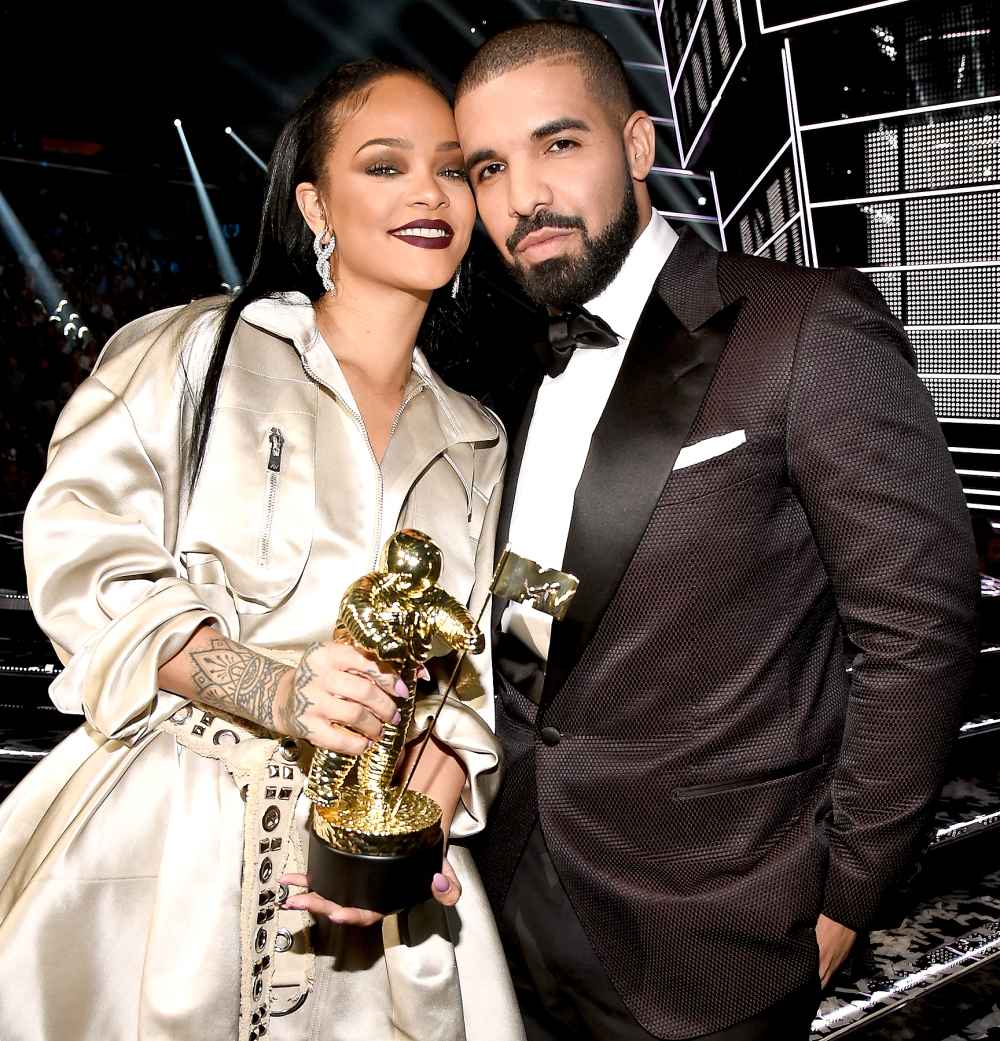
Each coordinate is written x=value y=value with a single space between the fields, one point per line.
x=662 y=382
x=514 y=456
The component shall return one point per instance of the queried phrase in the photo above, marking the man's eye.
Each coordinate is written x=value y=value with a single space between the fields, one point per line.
x=564 y=144
x=488 y=171
x=381 y=170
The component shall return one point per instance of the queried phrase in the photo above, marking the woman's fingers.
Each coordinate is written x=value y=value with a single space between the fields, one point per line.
x=338 y=739
x=318 y=907
x=446 y=887
x=335 y=690
x=355 y=716
x=363 y=691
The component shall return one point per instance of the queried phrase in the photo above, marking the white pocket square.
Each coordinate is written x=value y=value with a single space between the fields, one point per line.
x=709 y=448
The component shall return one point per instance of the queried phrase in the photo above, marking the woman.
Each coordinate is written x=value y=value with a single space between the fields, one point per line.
x=212 y=489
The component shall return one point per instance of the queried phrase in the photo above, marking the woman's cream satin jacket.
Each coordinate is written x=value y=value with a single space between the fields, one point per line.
x=121 y=854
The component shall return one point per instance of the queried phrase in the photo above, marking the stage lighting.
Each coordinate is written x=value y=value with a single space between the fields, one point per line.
x=50 y=292
x=246 y=148
x=227 y=266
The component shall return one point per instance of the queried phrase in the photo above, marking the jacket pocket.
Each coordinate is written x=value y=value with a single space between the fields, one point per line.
x=759 y=456
x=693 y=791
x=253 y=507
x=708 y=830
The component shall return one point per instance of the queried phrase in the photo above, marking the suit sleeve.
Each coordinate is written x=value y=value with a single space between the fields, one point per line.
x=871 y=469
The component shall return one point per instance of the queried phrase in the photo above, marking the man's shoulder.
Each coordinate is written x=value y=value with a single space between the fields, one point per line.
x=767 y=283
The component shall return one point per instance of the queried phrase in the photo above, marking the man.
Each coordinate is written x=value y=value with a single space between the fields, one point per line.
x=699 y=812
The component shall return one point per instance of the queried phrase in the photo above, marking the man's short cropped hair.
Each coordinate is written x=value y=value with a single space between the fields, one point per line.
x=551 y=40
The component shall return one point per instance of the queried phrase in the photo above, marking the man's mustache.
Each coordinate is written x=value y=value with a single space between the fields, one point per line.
x=545 y=219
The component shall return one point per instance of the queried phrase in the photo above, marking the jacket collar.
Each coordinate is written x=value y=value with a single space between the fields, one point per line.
x=689 y=281
x=291 y=317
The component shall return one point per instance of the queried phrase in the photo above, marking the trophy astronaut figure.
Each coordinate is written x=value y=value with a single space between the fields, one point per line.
x=375 y=845
x=401 y=616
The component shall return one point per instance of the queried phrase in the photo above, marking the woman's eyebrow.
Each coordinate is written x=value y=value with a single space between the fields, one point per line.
x=402 y=142
x=391 y=142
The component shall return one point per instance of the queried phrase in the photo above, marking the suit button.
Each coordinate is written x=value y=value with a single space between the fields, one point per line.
x=550 y=735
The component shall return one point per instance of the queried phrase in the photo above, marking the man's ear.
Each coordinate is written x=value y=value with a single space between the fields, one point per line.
x=311 y=206
x=639 y=136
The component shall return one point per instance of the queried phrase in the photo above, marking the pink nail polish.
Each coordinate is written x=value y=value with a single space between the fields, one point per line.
x=398 y=717
x=441 y=884
x=401 y=689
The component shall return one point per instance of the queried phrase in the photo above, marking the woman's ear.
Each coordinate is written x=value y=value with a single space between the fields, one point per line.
x=311 y=206
x=640 y=144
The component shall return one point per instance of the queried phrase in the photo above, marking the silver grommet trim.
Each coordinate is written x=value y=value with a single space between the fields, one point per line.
x=182 y=715
x=282 y=941
x=288 y=1011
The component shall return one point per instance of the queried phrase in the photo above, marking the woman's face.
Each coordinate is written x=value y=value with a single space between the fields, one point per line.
x=394 y=191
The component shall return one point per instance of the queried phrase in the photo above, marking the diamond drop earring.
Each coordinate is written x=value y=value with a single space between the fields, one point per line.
x=456 y=282
x=323 y=253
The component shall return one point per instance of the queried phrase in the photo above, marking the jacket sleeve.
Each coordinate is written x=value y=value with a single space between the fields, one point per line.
x=102 y=579
x=874 y=476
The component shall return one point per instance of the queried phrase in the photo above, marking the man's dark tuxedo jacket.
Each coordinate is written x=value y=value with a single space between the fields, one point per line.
x=707 y=776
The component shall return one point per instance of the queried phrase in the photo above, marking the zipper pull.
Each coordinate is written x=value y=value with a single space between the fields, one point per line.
x=277 y=443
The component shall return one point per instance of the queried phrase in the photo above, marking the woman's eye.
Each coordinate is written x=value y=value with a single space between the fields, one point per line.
x=381 y=170
x=562 y=145
x=489 y=170
x=456 y=173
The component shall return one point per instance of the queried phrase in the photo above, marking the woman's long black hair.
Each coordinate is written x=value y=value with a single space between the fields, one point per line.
x=285 y=260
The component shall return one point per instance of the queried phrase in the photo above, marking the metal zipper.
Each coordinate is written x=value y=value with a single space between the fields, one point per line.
x=277 y=442
x=359 y=420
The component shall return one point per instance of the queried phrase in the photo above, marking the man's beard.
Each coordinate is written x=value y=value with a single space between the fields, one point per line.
x=565 y=282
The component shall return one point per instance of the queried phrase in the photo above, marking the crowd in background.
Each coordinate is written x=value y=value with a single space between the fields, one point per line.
x=111 y=269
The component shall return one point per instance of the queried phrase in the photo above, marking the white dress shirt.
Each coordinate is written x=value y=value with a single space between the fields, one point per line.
x=567 y=410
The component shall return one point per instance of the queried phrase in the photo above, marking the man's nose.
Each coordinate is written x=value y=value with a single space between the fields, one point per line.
x=527 y=192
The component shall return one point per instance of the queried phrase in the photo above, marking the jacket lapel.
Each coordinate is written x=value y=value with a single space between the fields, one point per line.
x=666 y=373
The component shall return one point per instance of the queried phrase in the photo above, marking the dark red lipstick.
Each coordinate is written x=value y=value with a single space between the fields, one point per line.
x=427 y=234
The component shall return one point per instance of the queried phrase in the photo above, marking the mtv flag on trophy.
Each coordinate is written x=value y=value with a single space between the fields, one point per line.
x=544 y=589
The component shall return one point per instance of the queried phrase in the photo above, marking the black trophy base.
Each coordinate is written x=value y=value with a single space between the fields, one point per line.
x=386 y=884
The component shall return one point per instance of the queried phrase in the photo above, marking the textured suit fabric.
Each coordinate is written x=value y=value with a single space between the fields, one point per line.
x=563 y=990
x=717 y=783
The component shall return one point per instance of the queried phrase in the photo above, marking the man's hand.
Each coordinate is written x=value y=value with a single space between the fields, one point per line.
x=446 y=889
x=835 y=942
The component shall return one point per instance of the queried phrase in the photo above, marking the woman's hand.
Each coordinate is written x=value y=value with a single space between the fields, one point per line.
x=445 y=888
x=337 y=699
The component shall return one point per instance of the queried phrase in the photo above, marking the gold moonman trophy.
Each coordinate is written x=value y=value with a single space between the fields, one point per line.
x=375 y=845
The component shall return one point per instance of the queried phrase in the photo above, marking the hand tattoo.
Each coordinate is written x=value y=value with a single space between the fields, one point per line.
x=238 y=680
x=288 y=714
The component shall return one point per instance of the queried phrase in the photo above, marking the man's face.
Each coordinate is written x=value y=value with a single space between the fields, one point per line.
x=547 y=164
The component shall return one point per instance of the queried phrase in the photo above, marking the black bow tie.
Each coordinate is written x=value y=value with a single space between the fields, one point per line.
x=572 y=329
